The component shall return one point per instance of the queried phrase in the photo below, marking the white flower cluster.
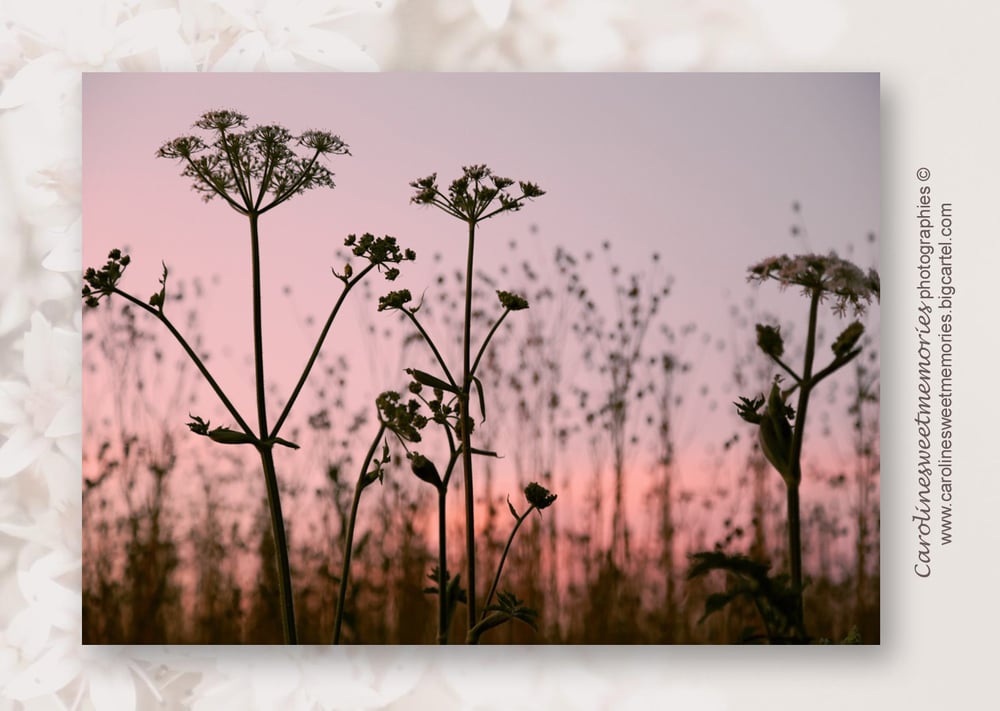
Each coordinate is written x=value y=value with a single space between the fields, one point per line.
x=828 y=275
x=603 y=35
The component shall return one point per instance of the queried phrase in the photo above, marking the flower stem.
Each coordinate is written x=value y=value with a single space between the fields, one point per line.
x=349 y=539
x=280 y=547
x=266 y=456
x=443 y=600
x=503 y=559
x=486 y=341
x=316 y=349
x=202 y=368
x=258 y=331
x=470 y=527
x=794 y=517
x=430 y=344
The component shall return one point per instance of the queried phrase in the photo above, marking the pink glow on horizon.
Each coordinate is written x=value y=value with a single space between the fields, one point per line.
x=700 y=168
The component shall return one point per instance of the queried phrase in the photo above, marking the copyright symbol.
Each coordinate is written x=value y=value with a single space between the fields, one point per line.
x=923 y=175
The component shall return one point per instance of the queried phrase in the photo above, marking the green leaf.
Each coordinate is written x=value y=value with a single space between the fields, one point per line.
x=513 y=511
x=482 y=399
x=716 y=602
x=283 y=442
x=224 y=435
x=431 y=381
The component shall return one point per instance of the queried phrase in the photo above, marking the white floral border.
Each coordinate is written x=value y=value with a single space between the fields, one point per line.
x=45 y=46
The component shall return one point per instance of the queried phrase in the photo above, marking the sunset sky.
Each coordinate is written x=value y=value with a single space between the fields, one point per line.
x=702 y=169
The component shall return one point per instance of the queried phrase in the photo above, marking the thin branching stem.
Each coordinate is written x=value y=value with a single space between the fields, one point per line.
x=258 y=330
x=442 y=565
x=430 y=344
x=503 y=559
x=267 y=458
x=290 y=190
x=470 y=501
x=486 y=341
x=280 y=546
x=317 y=348
x=349 y=540
x=837 y=364
x=206 y=179
x=202 y=368
x=239 y=175
x=783 y=366
x=794 y=516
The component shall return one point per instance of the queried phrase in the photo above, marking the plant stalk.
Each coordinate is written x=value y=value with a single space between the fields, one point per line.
x=443 y=600
x=349 y=539
x=316 y=349
x=202 y=368
x=266 y=455
x=470 y=528
x=794 y=516
x=258 y=331
x=280 y=546
x=503 y=559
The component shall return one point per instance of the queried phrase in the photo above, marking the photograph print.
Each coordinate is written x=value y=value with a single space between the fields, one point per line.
x=481 y=359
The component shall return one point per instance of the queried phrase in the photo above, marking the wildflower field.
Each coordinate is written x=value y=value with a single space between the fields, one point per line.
x=468 y=359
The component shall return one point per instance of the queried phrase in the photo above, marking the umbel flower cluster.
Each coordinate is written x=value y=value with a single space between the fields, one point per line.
x=830 y=275
x=780 y=427
x=477 y=195
x=253 y=169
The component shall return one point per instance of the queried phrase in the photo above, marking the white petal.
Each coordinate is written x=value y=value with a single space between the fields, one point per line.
x=20 y=451
x=674 y=52
x=279 y=60
x=112 y=686
x=493 y=12
x=68 y=420
x=67 y=254
x=36 y=350
x=331 y=49
x=145 y=31
x=42 y=77
x=239 y=10
x=175 y=54
x=802 y=29
x=62 y=478
x=12 y=396
x=14 y=310
x=28 y=633
x=70 y=446
x=243 y=55
x=48 y=674
x=52 y=356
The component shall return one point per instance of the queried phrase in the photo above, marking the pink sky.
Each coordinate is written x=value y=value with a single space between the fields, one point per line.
x=700 y=168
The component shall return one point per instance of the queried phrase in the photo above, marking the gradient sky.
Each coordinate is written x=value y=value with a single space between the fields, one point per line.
x=701 y=168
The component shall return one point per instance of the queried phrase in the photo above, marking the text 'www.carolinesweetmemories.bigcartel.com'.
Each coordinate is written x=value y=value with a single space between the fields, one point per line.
x=932 y=513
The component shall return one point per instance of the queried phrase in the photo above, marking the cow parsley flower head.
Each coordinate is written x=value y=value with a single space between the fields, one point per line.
x=476 y=195
x=828 y=275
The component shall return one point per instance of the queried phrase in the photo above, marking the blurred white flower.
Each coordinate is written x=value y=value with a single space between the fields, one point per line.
x=606 y=35
x=46 y=662
x=66 y=252
x=279 y=35
x=534 y=678
x=84 y=36
x=493 y=12
x=802 y=29
x=44 y=409
x=292 y=679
